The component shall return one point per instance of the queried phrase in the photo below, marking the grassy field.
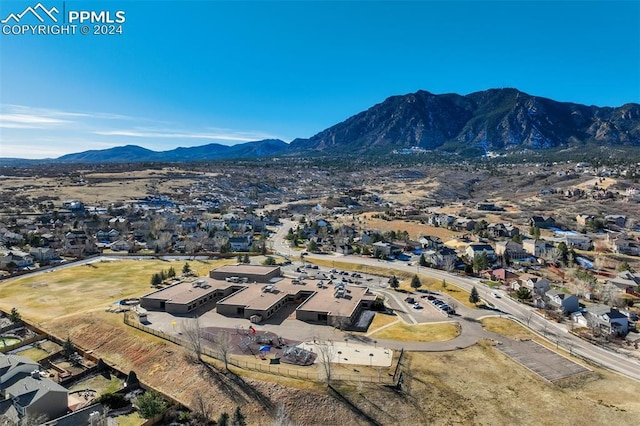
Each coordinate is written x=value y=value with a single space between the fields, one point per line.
x=506 y=327
x=419 y=333
x=415 y=229
x=481 y=386
x=45 y=296
x=380 y=320
x=99 y=383
x=33 y=354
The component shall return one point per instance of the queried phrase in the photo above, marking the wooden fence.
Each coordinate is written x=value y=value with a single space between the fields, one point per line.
x=276 y=369
x=25 y=342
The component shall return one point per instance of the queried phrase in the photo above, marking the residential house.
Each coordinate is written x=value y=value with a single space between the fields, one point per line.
x=616 y=219
x=577 y=241
x=479 y=248
x=537 y=285
x=625 y=246
x=624 y=282
x=119 y=222
x=534 y=247
x=502 y=230
x=607 y=318
x=25 y=392
x=444 y=257
x=8 y=237
x=122 y=245
x=345 y=249
x=431 y=243
x=542 y=222
x=17 y=259
x=510 y=249
x=382 y=248
x=583 y=219
x=241 y=243
x=487 y=207
x=44 y=254
x=189 y=224
x=502 y=275
x=440 y=220
x=107 y=236
x=567 y=303
x=77 y=243
x=408 y=246
x=218 y=224
x=463 y=224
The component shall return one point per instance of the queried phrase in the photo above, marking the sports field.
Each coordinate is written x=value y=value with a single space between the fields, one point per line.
x=45 y=296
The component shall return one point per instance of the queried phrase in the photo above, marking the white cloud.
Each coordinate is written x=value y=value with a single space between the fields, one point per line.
x=182 y=135
x=28 y=121
x=29 y=132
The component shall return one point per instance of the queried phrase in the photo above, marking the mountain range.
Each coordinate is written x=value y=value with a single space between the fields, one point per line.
x=495 y=120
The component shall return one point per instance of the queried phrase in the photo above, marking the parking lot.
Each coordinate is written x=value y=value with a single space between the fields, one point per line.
x=545 y=363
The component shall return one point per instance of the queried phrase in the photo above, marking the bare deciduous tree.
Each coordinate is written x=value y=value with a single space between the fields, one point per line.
x=553 y=255
x=202 y=407
x=281 y=418
x=326 y=353
x=224 y=343
x=193 y=334
x=449 y=263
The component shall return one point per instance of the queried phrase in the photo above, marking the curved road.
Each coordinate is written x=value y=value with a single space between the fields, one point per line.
x=526 y=315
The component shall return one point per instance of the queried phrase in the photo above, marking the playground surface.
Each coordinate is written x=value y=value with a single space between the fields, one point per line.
x=352 y=353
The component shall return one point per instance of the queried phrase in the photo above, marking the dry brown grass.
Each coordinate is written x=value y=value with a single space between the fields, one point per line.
x=415 y=229
x=481 y=386
x=380 y=320
x=506 y=327
x=438 y=332
x=42 y=297
x=167 y=368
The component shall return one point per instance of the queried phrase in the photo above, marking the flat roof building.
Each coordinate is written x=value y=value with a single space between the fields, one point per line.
x=186 y=296
x=251 y=273
x=236 y=295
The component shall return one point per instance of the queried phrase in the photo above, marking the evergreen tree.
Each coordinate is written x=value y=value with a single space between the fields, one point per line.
x=423 y=261
x=68 y=348
x=480 y=262
x=523 y=293
x=415 y=282
x=444 y=284
x=186 y=268
x=171 y=273
x=238 y=418
x=156 y=279
x=14 y=315
x=150 y=404
x=223 y=420
x=246 y=259
x=393 y=282
x=474 y=297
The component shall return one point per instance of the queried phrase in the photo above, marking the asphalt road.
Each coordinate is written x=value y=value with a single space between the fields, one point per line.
x=526 y=315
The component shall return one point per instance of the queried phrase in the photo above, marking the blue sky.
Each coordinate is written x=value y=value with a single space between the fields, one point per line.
x=187 y=73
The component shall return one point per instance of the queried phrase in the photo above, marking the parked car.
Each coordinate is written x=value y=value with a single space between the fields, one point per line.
x=410 y=300
x=417 y=306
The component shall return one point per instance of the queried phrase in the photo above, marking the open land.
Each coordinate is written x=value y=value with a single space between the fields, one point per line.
x=488 y=386
x=476 y=385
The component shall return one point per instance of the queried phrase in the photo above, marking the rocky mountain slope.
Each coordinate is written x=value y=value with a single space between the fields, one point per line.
x=491 y=120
